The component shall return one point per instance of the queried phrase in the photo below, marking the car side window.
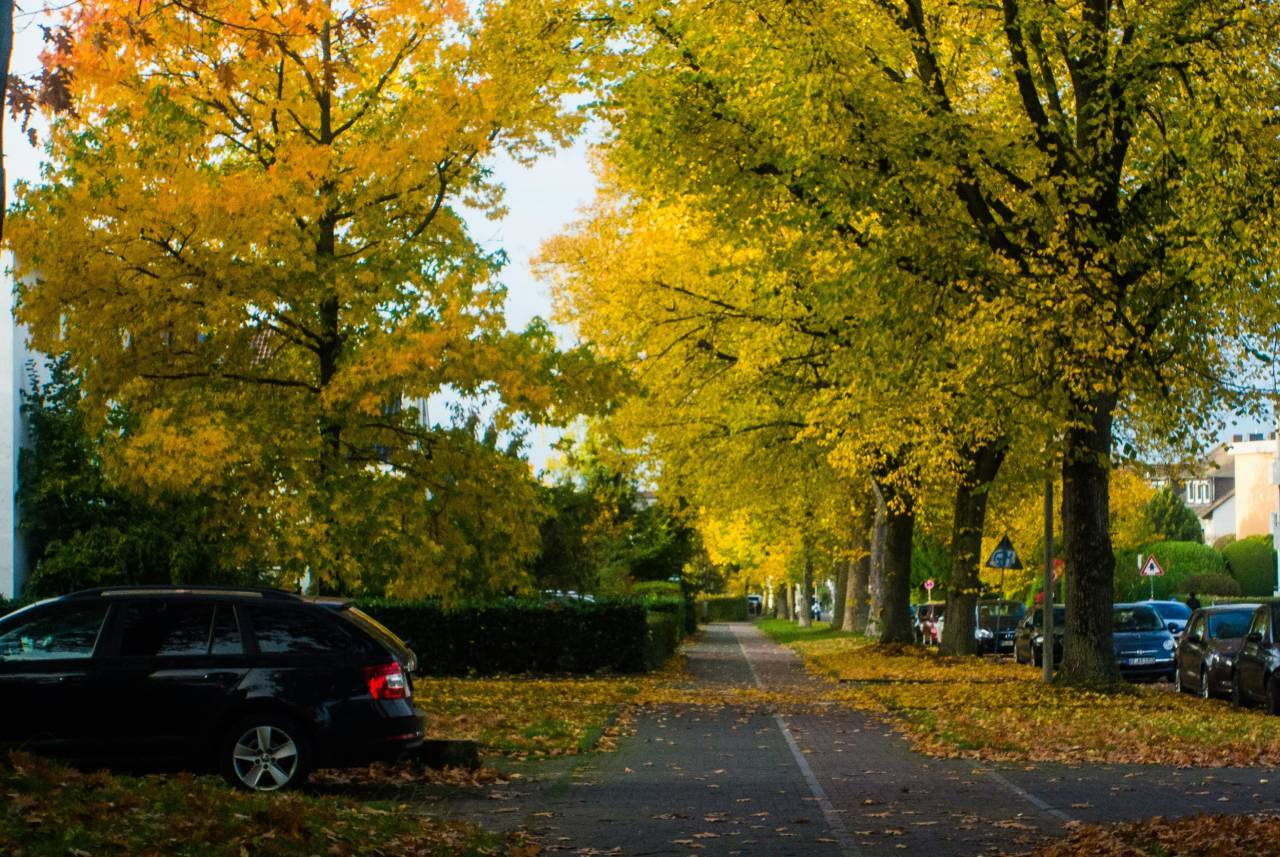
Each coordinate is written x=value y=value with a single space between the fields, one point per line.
x=65 y=633
x=226 y=639
x=151 y=629
x=1259 y=624
x=1197 y=627
x=295 y=632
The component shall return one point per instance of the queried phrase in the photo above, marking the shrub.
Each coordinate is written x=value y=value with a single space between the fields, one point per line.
x=662 y=637
x=657 y=588
x=1210 y=584
x=679 y=607
x=1221 y=542
x=722 y=608
x=1252 y=562
x=1179 y=560
x=1167 y=515
x=518 y=636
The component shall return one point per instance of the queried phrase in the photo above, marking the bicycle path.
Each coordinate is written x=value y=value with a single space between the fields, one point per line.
x=728 y=781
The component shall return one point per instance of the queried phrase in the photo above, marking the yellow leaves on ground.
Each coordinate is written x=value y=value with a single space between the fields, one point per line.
x=1198 y=836
x=1000 y=710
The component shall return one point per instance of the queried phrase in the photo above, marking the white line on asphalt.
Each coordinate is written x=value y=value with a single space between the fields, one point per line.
x=1028 y=796
x=838 y=831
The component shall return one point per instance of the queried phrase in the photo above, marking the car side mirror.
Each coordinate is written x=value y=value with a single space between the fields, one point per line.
x=1254 y=637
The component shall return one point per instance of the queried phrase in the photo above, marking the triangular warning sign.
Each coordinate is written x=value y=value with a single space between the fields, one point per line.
x=1152 y=568
x=1004 y=556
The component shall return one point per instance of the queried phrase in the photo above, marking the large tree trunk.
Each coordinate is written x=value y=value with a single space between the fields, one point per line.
x=783 y=601
x=875 y=580
x=982 y=463
x=1088 y=657
x=806 y=585
x=895 y=610
x=858 y=602
x=838 y=607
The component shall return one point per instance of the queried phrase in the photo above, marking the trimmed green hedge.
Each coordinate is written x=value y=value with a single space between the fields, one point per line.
x=523 y=636
x=1252 y=562
x=722 y=608
x=1180 y=560
x=662 y=638
x=679 y=607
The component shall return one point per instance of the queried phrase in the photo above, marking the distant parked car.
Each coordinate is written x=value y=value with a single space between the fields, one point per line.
x=997 y=623
x=1143 y=644
x=1254 y=678
x=1028 y=639
x=1207 y=652
x=928 y=625
x=754 y=605
x=1175 y=614
x=260 y=685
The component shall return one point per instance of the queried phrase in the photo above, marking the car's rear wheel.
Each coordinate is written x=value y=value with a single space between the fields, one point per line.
x=1206 y=692
x=1177 y=678
x=265 y=753
x=1273 y=695
x=1037 y=657
x=1237 y=695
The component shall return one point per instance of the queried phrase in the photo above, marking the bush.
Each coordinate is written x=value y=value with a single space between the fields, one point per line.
x=1221 y=542
x=1179 y=560
x=1252 y=562
x=657 y=589
x=520 y=636
x=722 y=608
x=679 y=607
x=1210 y=584
x=1170 y=517
x=662 y=637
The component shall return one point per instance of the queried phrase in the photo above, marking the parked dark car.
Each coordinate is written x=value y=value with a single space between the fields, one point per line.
x=996 y=625
x=261 y=685
x=1207 y=651
x=1254 y=677
x=1175 y=614
x=928 y=622
x=1143 y=644
x=1028 y=639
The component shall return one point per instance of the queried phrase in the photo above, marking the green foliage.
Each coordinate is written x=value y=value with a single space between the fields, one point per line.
x=1171 y=519
x=662 y=637
x=523 y=635
x=52 y=810
x=657 y=588
x=722 y=608
x=84 y=530
x=930 y=560
x=1180 y=560
x=1210 y=584
x=1221 y=542
x=675 y=605
x=1252 y=562
x=782 y=631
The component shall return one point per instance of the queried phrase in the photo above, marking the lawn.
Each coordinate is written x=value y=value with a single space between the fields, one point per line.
x=1000 y=710
x=52 y=810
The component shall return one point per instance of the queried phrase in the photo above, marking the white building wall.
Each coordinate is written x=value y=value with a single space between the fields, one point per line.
x=16 y=362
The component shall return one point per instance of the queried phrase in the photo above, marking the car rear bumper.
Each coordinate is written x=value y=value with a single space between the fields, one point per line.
x=383 y=739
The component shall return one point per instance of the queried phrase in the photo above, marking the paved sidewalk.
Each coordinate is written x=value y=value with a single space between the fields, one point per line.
x=721 y=781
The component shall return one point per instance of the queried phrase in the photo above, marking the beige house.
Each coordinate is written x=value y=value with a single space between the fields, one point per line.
x=1234 y=490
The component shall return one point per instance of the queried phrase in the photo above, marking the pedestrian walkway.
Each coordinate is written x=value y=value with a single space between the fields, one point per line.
x=724 y=781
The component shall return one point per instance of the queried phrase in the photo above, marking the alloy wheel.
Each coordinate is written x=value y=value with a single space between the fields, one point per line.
x=1205 y=690
x=265 y=758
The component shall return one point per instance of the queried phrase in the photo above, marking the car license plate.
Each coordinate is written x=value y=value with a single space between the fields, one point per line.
x=1141 y=662
x=1006 y=644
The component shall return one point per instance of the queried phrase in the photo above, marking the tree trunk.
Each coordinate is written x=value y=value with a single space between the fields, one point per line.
x=838 y=607
x=783 y=601
x=806 y=586
x=858 y=600
x=1088 y=657
x=981 y=466
x=895 y=610
x=875 y=580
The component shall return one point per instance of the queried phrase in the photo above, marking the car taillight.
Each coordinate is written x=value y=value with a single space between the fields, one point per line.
x=387 y=682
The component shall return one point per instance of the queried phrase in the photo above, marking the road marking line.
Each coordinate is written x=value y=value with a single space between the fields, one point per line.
x=838 y=831
x=1028 y=796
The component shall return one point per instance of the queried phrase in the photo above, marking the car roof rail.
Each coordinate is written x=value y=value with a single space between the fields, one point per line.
x=165 y=589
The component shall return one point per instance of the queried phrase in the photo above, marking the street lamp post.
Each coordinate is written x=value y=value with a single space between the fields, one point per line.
x=1047 y=646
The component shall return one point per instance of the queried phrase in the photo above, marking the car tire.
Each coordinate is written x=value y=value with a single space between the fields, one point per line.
x=1237 y=695
x=1177 y=678
x=1272 y=693
x=264 y=753
x=1206 y=692
x=1037 y=659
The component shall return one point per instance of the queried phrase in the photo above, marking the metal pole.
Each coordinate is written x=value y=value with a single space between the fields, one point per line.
x=1047 y=659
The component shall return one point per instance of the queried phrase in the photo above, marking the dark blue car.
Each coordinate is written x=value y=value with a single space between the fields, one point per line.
x=1143 y=644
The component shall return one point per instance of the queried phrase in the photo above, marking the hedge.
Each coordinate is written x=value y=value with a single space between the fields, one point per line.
x=521 y=636
x=662 y=638
x=1179 y=560
x=1252 y=562
x=1210 y=584
x=679 y=607
x=722 y=608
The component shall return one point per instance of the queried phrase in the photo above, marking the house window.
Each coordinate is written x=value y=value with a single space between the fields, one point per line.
x=1199 y=492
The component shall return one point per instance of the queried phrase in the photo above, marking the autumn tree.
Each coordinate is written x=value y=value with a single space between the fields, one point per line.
x=250 y=234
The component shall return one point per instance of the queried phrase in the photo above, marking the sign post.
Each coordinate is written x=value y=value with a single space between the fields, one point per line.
x=1047 y=638
x=1151 y=570
x=928 y=587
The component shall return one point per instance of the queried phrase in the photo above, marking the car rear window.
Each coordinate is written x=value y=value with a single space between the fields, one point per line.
x=375 y=629
x=281 y=631
x=150 y=629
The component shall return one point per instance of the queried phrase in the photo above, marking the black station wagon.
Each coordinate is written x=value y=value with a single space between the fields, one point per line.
x=261 y=685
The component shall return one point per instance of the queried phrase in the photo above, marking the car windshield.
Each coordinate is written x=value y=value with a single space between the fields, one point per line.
x=1059 y=617
x=1229 y=625
x=1172 y=610
x=1001 y=609
x=1124 y=619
